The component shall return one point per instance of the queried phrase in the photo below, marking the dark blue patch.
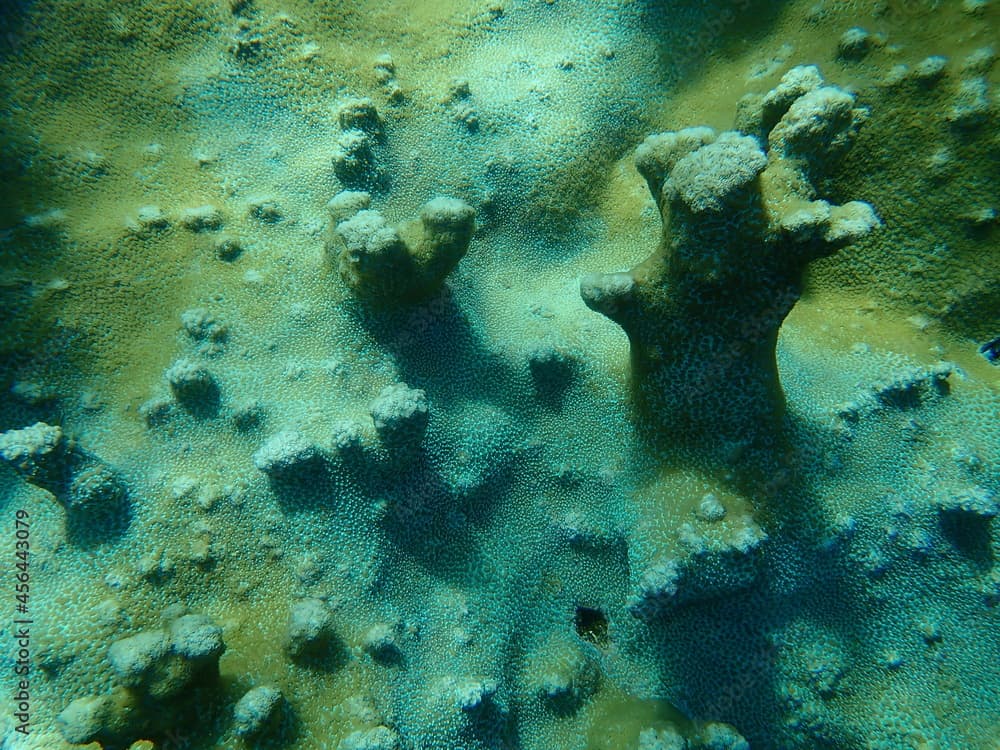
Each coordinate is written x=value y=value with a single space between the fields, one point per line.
x=991 y=350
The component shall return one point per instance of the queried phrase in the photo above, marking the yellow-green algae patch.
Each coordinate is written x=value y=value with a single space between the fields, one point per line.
x=618 y=718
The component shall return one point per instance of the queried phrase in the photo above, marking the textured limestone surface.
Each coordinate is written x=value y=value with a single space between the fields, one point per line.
x=320 y=447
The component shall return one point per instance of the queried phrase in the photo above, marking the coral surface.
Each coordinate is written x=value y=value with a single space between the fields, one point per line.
x=308 y=440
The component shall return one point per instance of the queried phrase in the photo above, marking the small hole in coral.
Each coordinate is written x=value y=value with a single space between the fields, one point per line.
x=592 y=625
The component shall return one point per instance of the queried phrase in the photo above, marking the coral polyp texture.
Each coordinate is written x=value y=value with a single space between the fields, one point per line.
x=309 y=440
x=741 y=221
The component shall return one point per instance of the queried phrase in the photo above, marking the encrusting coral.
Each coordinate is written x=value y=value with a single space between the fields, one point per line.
x=741 y=220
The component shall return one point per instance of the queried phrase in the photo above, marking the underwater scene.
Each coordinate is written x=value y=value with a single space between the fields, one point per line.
x=500 y=374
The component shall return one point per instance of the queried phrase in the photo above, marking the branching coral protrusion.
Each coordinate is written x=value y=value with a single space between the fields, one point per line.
x=380 y=266
x=741 y=220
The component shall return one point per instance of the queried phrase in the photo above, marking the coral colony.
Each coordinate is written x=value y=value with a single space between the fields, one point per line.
x=468 y=375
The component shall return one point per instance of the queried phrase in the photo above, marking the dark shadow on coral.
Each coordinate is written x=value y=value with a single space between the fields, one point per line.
x=93 y=527
x=284 y=733
x=13 y=14
x=175 y=723
x=731 y=672
x=552 y=373
x=206 y=405
x=434 y=525
x=971 y=535
x=283 y=729
x=565 y=703
x=488 y=726
x=389 y=657
x=433 y=343
x=314 y=485
x=36 y=360
x=326 y=654
x=709 y=33
x=418 y=502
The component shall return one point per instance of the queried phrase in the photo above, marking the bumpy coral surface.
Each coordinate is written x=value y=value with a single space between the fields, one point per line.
x=309 y=441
